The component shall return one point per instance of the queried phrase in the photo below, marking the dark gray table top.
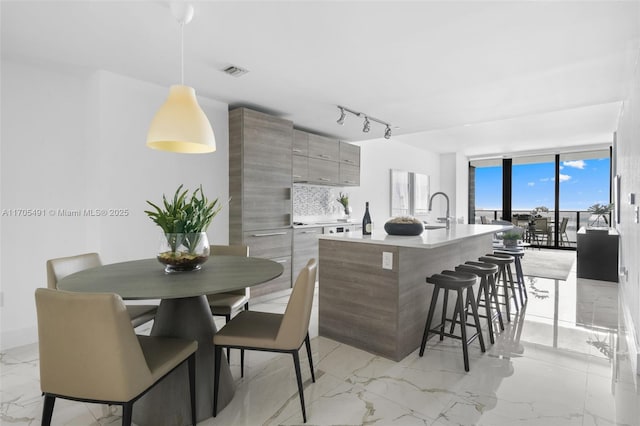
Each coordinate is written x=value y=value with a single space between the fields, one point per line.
x=146 y=279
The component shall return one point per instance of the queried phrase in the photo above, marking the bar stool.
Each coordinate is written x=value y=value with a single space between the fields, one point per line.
x=458 y=282
x=487 y=293
x=504 y=273
x=517 y=254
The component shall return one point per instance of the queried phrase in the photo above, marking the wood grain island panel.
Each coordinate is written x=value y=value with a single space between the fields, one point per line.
x=383 y=311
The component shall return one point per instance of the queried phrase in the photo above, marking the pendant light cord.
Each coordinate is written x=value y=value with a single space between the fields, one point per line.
x=182 y=53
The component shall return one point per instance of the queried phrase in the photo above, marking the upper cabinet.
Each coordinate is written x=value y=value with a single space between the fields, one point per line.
x=324 y=148
x=260 y=168
x=325 y=161
x=349 y=164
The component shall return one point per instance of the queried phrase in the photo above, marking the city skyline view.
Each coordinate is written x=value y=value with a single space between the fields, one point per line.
x=582 y=184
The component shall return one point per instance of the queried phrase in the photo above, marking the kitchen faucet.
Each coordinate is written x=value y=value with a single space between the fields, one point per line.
x=447 y=219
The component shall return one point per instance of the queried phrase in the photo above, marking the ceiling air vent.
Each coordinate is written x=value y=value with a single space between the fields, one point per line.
x=235 y=71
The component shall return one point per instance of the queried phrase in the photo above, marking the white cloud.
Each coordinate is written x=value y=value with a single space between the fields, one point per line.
x=577 y=164
x=544 y=180
x=564 y=178
x=531 y=184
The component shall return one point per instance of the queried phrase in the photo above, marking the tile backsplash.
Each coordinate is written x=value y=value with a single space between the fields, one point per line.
x=311 y=202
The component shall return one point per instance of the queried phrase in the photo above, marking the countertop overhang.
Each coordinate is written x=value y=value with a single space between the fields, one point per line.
x=430 y=238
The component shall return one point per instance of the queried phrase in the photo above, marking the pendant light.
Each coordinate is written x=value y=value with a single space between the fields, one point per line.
x=180 y=125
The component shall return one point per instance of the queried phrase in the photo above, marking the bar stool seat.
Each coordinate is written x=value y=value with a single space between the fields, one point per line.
x=487 y=294
x=517 y=254
x=458 y=282
x=505 y=276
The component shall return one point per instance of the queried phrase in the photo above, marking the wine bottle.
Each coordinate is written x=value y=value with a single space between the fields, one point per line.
x=366 y=221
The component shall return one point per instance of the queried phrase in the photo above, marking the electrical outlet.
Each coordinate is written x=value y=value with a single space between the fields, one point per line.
x=387 y=260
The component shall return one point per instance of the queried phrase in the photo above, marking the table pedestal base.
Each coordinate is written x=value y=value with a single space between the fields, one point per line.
x=168 y=402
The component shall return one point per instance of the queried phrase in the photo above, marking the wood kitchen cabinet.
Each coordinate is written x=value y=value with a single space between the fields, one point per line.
x=324 y=148
x=300 y=157
x=305 y=247
x=323 y=171
x=260 y=187
x=349 y=154
x=324 y=161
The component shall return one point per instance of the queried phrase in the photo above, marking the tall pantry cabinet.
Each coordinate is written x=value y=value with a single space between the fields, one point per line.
x=260 y=186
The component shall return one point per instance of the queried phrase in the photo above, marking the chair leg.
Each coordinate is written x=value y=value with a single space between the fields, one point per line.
x=444 y=313
x=463 y=329
x=476 y=318
x=307 y=343
x=241 y=362
x=484 y=290
x=47 y=409
x=227 y=318
x=217 y=351
x=246 y=306
x=296 y=362
x=509 y=273
x=127 y=412
x=494 y=293
x=427 y=326
x=191 y=362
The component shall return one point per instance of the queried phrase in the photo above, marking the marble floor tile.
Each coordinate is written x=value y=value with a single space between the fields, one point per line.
x=562 y=360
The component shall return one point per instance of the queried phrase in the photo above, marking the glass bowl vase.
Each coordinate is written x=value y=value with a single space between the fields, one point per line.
x=183 y=252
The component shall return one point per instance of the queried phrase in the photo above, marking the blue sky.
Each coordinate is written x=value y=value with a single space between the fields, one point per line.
x=582 y=184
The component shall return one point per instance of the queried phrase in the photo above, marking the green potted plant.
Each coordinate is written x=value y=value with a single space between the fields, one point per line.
x=600 y=212
x=343 y=199
x=510 y=238
x=184 y=221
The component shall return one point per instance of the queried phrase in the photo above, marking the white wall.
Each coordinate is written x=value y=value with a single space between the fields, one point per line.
x=627 y=160
x=454 y=179
x=73 y=140
x=377 y=157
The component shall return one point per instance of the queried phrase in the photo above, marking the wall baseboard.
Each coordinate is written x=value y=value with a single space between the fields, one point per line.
x=15 y=338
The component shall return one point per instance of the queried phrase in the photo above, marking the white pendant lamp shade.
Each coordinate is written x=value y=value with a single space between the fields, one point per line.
x=180 y=125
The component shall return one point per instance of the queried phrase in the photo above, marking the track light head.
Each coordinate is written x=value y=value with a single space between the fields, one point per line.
x=367 y=125
x=343 y=115
x=387 y=133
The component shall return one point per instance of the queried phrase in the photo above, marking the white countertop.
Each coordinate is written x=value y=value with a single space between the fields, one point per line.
x=430 y=238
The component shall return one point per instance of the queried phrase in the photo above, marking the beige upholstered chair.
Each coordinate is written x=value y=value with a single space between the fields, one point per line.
x=90 y=352
x=271 y=332
x=225 y=304
x=59 y=268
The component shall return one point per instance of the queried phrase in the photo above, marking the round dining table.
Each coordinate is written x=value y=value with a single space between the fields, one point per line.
x=183 y=312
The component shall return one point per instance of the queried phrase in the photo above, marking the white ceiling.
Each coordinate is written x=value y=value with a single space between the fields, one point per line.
x=476 y=77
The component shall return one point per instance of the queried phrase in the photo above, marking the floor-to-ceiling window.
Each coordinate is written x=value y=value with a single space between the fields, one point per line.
x=488 y=190
x=533 y=188
x=584 y=181
x=548 y=195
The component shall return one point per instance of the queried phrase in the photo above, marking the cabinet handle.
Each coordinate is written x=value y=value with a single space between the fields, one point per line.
x=309 y=232
x=270 y=234
x=324 y=179
x=346 y=160
x=297 y=176
x=297 y=150
x=348 y=181
x=281 y=261
x=324 y=156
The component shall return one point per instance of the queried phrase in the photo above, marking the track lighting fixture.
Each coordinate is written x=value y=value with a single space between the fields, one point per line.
x=367 y=120
x=343 y=115
x=387 y=132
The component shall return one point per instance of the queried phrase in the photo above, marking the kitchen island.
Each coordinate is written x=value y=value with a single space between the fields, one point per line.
x=373 y=293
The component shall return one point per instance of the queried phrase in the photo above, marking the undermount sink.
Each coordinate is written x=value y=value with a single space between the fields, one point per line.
x=435 y=226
